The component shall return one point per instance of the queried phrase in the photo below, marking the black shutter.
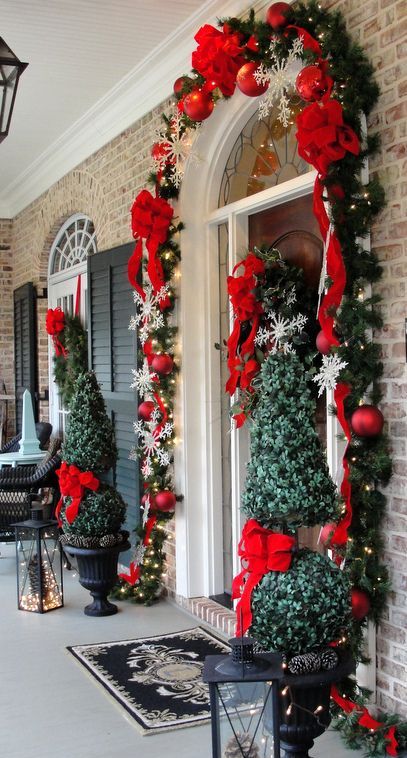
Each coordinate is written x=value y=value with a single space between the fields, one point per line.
x=25 y=348
x=112 y=355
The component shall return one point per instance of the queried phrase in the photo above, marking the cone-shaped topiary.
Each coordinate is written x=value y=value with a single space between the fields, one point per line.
x=89 y=443
x=288 y=479
x=302 y=609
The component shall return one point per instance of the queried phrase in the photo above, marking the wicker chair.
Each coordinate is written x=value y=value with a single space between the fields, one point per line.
x=17 y=488
x=43 y=429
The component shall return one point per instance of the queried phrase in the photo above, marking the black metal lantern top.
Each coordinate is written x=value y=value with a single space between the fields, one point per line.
x=11 y=69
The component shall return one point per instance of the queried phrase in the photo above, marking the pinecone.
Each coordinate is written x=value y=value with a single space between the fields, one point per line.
x=307 y=663
x=329 y=659
x=240 y=745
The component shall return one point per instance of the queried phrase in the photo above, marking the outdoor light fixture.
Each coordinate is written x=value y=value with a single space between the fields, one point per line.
x=244 y=691
x=11 y=69
x=39 y=564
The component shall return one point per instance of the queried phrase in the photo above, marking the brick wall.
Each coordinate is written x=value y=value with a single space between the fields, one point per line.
x=6 y=330
x=104 y=186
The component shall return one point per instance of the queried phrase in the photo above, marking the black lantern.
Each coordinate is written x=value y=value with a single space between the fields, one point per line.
x=39 y=564
x=244 y=698
x=11 y=69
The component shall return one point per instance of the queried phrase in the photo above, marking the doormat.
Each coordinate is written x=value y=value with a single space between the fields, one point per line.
x=158 y=680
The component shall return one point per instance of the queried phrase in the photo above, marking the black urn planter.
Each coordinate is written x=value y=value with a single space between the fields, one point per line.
x=303 y=695
x=97 y=569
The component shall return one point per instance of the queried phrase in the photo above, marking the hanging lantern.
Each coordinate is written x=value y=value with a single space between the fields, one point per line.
x=11 y=69
x=39 y=564
x=244 y=700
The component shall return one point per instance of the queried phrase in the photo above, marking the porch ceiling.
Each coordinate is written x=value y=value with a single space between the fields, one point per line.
x=95 y=67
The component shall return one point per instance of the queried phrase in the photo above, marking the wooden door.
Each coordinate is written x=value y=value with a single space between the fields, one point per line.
x=293 y=229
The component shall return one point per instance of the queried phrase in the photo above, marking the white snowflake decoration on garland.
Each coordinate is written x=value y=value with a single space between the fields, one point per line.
x=328 y=373
x=281 y=79
x=177 y=143
x=143 y=380
x=279 y=331
x=148 y=314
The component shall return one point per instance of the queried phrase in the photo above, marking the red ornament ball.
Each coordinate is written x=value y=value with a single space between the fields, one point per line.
x=198 y=105
x=179 y=83
x=311 y=83
x=326 y=533
x=322 y=343
x=145 y=410
x=247 y=83
x=162 y=364
x=165 y=501
x=360 y=603
x=367 y=421
x=278 y=15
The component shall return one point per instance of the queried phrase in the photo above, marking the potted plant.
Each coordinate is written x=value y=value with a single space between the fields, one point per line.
x=293 y=600
x=91 y=512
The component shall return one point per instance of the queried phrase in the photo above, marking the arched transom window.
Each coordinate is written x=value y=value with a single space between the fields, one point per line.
x=74 y=242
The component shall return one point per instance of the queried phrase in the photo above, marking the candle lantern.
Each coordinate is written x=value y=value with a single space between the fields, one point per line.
x=39 y=564
x=244 y=699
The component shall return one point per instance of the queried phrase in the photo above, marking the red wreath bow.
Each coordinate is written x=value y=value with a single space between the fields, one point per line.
x=72 y=483
x=54 y=325
x=323 y=137
x=150 y=220
x=218 y=58
x=261 y=550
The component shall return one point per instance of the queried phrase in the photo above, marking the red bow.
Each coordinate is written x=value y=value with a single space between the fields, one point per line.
x=218 y=58
x=260 y=551
x=54 y=325
x=150 y=220
x=323 y=137
x=72 y=483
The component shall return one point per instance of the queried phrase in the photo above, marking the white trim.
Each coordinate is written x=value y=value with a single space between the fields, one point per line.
x=144 y=88
x=80 y=267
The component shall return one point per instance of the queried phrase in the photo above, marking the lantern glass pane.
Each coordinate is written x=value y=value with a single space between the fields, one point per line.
x=246 y=719
x=8 y=74
x=39 y=569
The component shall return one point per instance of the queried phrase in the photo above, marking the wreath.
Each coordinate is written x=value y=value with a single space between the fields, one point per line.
x=308 y=50
x=71 y=350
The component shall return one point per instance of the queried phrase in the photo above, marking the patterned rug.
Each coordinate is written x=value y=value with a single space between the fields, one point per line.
x=158 y=680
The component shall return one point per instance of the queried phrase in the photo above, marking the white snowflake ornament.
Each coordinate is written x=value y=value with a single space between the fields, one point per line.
x=143 y=380
x=328 y=373
x=281 y=78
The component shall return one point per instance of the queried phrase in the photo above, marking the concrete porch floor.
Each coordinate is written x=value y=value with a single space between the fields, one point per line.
x=50 y=707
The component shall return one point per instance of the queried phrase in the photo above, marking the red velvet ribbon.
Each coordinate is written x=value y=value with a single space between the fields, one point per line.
x=72 y=483
x=365 y=719
x=78 y=295
x=151 y=219
x=134 y=575
x=261 y=550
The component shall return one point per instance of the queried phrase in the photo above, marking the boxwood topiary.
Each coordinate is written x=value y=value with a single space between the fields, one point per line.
x=100 y=513
x=89 y=443
x=287 y=476
x=302 y=609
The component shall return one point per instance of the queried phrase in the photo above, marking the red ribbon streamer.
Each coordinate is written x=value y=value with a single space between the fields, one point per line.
x=366 y=720
x=72 y=483
x=78 y=295
x=134 y=575
x=261 y=550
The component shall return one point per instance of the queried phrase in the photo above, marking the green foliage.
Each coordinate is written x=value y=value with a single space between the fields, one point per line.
x=89 y=442
x=288 y=479
x=68 y=368
x=302 y=609
x=100 y=513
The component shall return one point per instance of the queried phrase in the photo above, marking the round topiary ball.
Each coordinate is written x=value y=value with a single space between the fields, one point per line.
x=302 y=609
x=100 y=513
